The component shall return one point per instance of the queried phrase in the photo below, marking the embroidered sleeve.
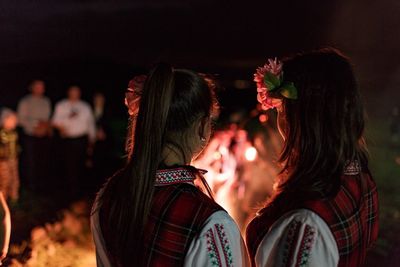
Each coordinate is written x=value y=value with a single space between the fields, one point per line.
x=225 y=245
x=220 y=244
x=212 y=249
x=297 y=244
x=299 y=239
x=306 y=243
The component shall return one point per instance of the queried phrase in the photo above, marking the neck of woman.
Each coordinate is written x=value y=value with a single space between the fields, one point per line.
x=173 y=156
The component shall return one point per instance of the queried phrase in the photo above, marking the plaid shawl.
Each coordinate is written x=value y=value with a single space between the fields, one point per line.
x=178 y=214
x=352 y=216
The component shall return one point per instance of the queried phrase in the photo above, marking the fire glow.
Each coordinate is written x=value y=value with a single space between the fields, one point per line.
x=251 y=153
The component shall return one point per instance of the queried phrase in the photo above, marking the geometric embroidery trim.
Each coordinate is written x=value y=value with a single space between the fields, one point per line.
x=225 y=244
x=352 y=168
x=174 y=176
x=305 y=246
x=290 y=243
x=212 y=250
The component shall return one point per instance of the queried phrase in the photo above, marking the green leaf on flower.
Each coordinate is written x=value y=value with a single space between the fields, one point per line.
x=271 y=81
x=288 y=90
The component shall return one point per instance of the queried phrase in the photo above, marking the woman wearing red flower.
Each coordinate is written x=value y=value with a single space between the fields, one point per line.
x=324 y=211
x=150 y=213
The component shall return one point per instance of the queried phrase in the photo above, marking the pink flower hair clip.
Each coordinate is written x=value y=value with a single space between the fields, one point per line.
x=269 y=79
x=134 y=93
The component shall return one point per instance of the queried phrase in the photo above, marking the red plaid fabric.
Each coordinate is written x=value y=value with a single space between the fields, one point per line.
x=178 y=214
x=352 y=216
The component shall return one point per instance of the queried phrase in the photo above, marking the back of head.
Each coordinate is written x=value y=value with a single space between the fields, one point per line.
x=8 y=119
x=37 y=87
x=170 y=103
x=324 y=126
x=74 y=93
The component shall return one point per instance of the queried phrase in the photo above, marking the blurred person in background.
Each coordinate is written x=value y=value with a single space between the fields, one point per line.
x=324 y=208
x=101 y=159
x=9 y=175
x=100 y=115
x=34 y=112
x=74 y=120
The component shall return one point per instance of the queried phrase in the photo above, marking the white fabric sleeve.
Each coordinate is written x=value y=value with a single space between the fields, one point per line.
x=299 y=238
x=218 y=244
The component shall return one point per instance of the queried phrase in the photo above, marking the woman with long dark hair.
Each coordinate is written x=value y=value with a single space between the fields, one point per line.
x=151 y=213
x=324 y=211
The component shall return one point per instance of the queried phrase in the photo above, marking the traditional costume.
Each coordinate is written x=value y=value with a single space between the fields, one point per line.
x=329 y=232
x=185 y=227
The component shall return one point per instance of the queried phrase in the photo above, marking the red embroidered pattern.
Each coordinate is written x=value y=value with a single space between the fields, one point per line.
x=225 y=244
x=305 y=246
x=174 y=176
x=290 y=244
x=212 y=249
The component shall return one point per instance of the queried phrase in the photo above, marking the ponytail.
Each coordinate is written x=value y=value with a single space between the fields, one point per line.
x=127 y=197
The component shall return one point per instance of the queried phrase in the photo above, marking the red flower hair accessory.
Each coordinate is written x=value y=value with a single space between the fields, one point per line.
x=134 y=93
x=269 y=78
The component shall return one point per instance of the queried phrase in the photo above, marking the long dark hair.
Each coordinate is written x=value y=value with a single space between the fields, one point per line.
x=172 y=100
x=323 y=127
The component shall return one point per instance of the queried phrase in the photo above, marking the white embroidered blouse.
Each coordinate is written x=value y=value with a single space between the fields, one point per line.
x=299 y=238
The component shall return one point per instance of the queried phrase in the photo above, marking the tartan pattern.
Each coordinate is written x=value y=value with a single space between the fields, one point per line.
x=352 y=216
x=178 y=214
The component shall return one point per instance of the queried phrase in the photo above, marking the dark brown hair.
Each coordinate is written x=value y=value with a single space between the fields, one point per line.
x=324 y=126
x=171 y=102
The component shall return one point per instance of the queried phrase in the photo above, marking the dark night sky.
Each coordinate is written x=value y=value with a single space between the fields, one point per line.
x=141 y=31
x=99 y=44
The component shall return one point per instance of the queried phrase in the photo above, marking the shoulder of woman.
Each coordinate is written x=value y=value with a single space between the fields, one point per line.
x=299 y=236
x=303 y=216
x=305 y=222
x=221 y=216
x=218 y=244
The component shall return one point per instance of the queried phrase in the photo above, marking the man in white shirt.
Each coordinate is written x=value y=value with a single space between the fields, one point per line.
x=73 y=117
x=33 y=115
x=75 y=122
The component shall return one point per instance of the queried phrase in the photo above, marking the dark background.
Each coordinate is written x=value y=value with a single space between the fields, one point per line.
x=99 y=45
